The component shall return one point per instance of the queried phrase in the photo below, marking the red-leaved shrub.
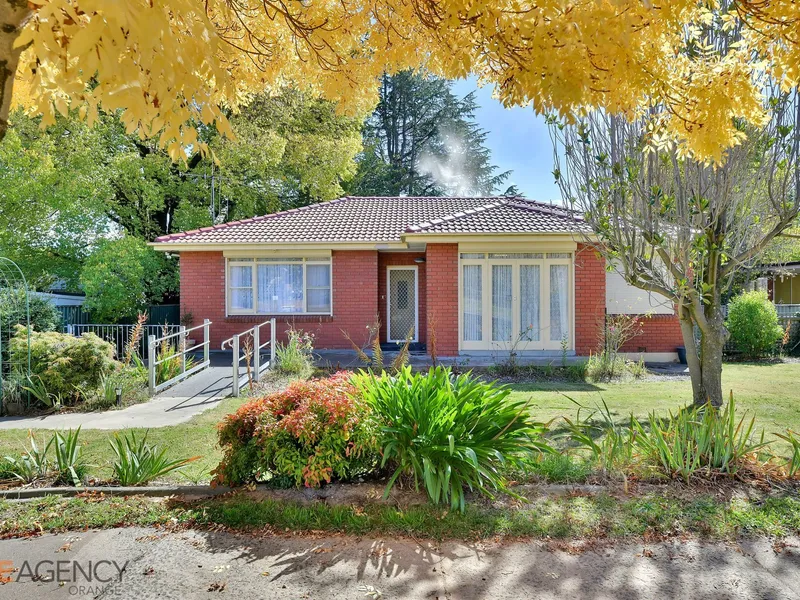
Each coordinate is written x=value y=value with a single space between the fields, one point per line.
x=310 y=432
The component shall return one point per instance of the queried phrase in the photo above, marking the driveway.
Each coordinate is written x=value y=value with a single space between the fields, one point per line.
x=186 y=565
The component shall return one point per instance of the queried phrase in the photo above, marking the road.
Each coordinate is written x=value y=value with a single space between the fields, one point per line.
x=148 y=563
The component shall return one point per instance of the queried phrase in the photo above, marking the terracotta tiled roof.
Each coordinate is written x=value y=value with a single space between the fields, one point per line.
x=506 y=216
x=386 y=219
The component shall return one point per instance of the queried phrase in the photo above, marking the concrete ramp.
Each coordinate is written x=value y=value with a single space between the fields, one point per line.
x=172 y=406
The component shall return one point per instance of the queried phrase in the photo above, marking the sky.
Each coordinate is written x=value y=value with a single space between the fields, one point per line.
x=519 y=142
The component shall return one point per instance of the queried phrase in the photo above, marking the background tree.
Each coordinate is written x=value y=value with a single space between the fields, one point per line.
x=67 y=187
x=682 y=228
x=290 y=150
x=49 y=184
x=422 y=140
x=123 y=276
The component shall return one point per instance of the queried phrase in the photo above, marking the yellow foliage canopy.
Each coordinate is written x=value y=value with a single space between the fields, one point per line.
x=168 y=63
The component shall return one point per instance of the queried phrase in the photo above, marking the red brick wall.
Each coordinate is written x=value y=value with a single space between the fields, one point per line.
x=391 y=259
x=660 y=333
x=590 y=298
x=359 y=294
x=355 y=299
x=442 y=301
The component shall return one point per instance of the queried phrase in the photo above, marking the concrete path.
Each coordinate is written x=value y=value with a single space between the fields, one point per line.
x=189 y=565
x=172 y=406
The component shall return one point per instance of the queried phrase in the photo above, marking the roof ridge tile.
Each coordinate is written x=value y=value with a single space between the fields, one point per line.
x=454 y=216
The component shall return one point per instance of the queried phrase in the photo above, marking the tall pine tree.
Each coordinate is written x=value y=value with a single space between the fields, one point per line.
x=422 y=140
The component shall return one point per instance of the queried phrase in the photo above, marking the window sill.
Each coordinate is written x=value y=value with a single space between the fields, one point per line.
x=280 y=318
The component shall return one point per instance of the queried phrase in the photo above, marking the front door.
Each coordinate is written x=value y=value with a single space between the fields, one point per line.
x=402 y=303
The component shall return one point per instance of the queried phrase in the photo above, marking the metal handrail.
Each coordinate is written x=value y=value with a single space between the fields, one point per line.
x=184 y=331
x=234 y=343
x=154 y=342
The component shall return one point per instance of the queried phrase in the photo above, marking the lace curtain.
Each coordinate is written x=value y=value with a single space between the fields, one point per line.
x=529 y=294
x=473 y=304
x=280 y=288
x=241 y=285
x=318 y=288
x=502 y=303
x=559 y=302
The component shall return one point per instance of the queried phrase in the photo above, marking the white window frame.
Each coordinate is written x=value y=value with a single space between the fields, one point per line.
x=289 y=260
x=389 y=270
x=544 y=342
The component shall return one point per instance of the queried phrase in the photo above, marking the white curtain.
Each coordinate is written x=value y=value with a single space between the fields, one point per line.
x=318 y=288
x=473 y=303
x=502 y=302
x=280 y=288
x=529 y=298
x=559 y=302
x=241 y=285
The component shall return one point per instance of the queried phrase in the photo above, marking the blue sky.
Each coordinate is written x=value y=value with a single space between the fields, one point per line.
x=519 y=142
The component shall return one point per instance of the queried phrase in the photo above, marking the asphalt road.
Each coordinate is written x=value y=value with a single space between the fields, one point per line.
x=148 y=563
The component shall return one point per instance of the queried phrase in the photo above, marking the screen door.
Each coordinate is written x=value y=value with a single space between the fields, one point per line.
x=402 y=303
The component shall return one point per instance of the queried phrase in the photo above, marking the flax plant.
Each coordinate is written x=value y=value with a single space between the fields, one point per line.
x=450 y=432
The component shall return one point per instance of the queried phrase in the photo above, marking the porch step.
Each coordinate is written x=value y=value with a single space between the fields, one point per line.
x=412 y=347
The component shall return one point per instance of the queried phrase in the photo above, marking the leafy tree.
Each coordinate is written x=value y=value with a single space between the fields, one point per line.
x=422 y=140
x=14 y=310
x=52 y=189
x=289 y=150
x=68 y=186
x=682 y=228
x=173 y=63
x=44 y=316
x=123 y=276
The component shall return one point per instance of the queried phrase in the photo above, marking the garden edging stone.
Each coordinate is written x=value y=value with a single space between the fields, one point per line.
x=336 y=494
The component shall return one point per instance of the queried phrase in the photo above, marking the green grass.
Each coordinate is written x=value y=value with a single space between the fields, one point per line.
x=598 y=516
x=196 y=437
x=769 y=391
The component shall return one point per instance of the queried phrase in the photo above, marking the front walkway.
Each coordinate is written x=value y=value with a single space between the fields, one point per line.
x=175 y=405
x=150 y=563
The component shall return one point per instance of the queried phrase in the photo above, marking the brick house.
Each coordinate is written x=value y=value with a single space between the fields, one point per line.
x=477 y=274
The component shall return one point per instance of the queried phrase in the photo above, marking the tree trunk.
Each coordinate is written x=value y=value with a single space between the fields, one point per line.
x=705 y=363
x=13 y=16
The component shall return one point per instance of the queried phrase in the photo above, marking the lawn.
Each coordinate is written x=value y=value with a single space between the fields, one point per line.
x=196 y=437
x=771 y=392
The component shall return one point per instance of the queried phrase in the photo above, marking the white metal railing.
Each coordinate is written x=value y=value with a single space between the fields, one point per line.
x=154 y=343
x=240 y=353
x=120 y=335
x=787 y=311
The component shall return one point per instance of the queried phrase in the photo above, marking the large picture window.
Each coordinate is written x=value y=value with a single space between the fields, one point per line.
x=279 y=286
x=516 y=300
